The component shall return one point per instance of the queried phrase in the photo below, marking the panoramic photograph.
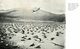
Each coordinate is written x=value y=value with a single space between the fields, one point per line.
x=32 y=24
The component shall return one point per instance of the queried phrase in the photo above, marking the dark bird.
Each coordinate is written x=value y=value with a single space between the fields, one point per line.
x=32 y=45
x=36 y=9
x=38 y=46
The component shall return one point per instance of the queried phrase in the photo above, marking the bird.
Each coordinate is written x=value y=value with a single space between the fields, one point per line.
x=36 y=9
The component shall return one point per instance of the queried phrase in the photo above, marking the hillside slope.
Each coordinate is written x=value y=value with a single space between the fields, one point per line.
x=40 y=15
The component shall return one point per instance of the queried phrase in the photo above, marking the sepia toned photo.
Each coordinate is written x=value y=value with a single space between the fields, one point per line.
x=32 y=24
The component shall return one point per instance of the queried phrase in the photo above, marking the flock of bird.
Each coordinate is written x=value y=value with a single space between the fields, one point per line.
x=32 y=36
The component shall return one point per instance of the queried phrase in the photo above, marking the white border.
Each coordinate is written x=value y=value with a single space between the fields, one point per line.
x=72 y=26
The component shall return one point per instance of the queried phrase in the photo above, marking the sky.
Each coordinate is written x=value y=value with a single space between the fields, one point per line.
x=54 y=6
